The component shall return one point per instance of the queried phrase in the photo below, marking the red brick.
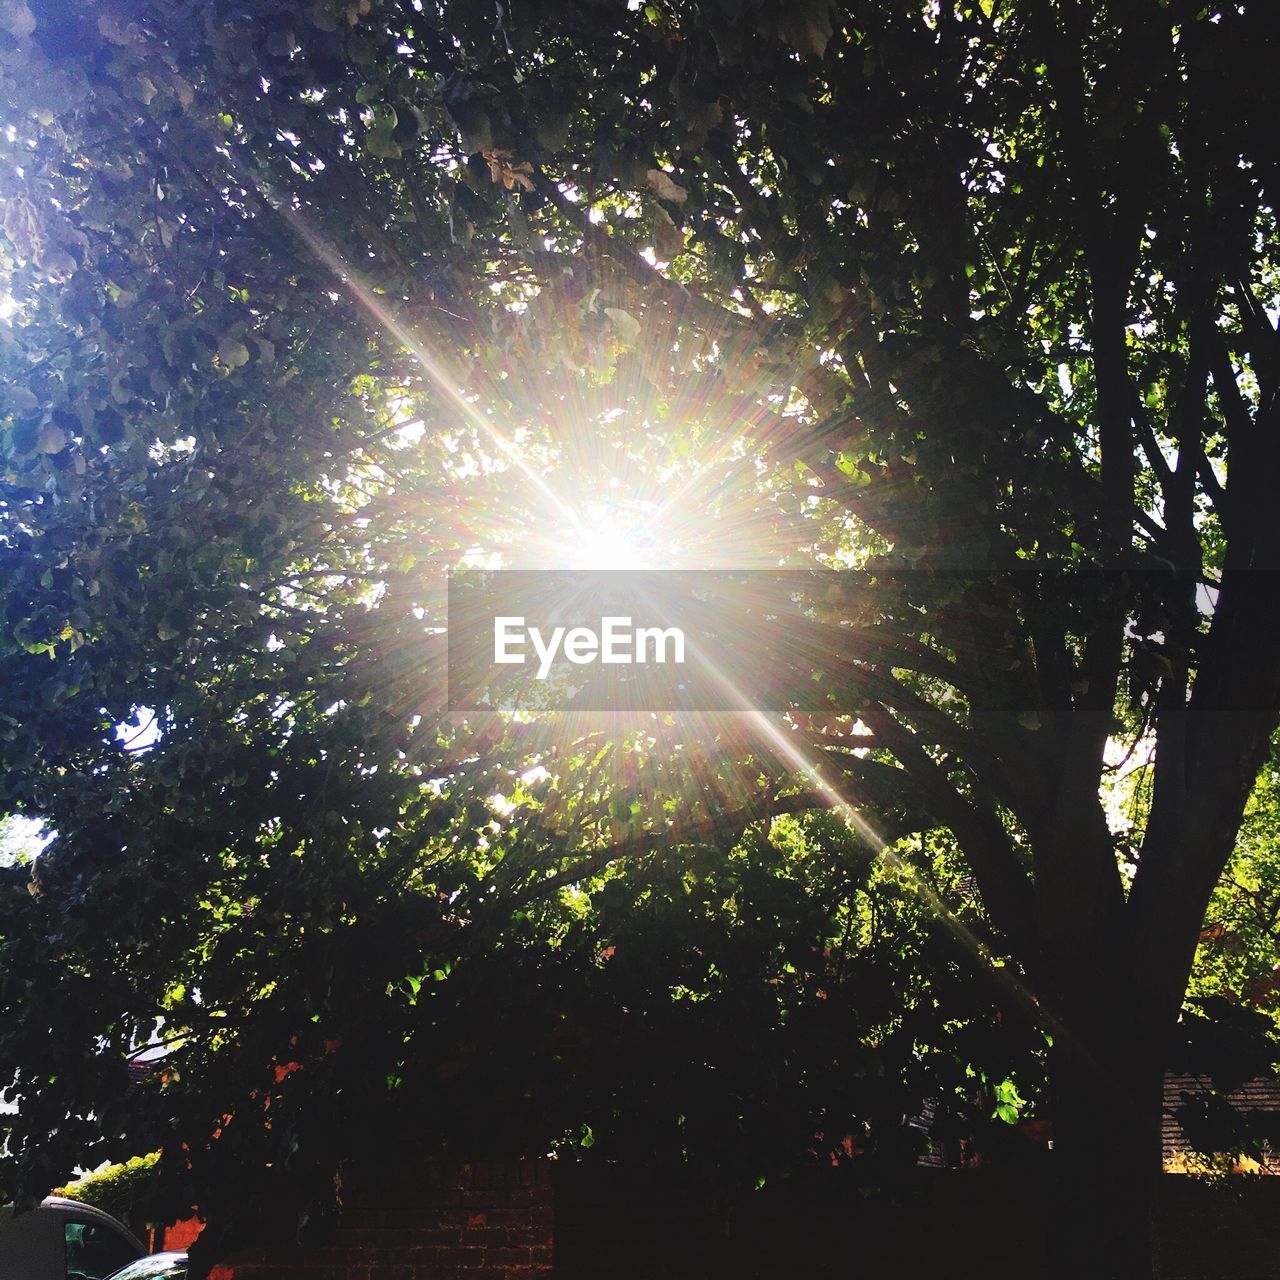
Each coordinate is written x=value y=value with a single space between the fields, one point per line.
x=509 y=1256
x=445 y=1220
x=491 y=1237
x=461 y=1256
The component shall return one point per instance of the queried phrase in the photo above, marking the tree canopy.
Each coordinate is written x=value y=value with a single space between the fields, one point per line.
x=310 y=302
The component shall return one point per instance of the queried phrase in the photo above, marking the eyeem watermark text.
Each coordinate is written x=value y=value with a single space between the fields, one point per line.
x=615 y=643
x=644 y=641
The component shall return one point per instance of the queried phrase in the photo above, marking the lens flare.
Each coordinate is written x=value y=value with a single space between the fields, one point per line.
x=610 y=537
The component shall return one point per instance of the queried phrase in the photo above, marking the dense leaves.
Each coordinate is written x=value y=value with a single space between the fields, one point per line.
x=312 y=301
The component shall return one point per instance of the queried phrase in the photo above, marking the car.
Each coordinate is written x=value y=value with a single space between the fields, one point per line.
x=158 y=1266
x=63 y=1239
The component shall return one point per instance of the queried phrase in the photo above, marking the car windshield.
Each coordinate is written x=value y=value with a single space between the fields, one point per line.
x=171 y=1266
x=95 y=1249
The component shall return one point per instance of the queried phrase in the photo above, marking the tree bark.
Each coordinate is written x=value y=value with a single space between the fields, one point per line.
x=1107 y=1084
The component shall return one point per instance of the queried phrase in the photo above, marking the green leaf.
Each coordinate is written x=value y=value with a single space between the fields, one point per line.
x=665 y=187
x=232 y=352
x=381 y=142
x=108 y=426
x=52 y=439
x=625 y=325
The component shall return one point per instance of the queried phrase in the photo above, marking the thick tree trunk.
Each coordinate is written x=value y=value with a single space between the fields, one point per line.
x=1107 y=1102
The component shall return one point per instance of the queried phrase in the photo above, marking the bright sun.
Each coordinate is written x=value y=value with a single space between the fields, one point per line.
x=610 y=538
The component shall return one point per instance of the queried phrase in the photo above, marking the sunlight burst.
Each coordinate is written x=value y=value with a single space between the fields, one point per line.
x=611 y=537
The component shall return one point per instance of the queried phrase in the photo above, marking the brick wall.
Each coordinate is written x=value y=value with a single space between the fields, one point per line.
x=459 y=1220
x=494 y=1220
x=1253 y=1096
x=178 y=1235
x=940 y=1224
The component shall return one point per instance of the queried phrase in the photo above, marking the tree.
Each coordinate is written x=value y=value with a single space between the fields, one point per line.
x=957 y=287
x=1239 y=952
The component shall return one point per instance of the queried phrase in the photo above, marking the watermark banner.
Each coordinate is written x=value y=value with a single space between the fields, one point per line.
x=716 y=640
